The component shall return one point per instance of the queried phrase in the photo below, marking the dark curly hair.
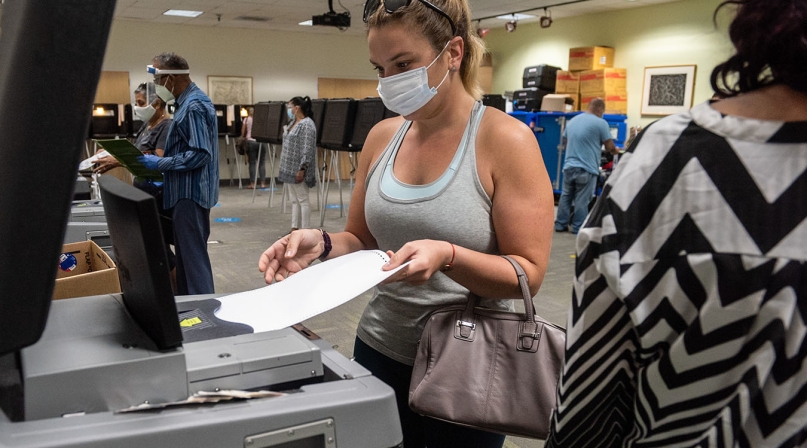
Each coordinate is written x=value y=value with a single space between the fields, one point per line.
x=770 y=38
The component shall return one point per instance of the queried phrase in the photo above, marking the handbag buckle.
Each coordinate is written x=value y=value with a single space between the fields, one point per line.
x=466 y=324
x=465 y=330
x=529 y=338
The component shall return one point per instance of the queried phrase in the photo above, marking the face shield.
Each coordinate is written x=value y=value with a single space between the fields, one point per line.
x=145 y=100
x=164 y=92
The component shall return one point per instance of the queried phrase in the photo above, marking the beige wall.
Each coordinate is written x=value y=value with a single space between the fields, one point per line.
x=674 y=33
x=287 y=64
x=282 y=64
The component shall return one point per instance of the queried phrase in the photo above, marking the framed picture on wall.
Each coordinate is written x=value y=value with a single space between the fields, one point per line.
x=668 y=90
x=230 y=89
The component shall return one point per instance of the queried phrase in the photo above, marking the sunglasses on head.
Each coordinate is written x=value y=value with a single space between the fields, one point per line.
x=390 y=6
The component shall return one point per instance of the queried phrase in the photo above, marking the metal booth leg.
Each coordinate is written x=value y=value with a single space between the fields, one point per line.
x=255 y=180
x=272 y=152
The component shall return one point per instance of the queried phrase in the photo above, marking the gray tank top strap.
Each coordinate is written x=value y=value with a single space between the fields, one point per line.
x=394 y=189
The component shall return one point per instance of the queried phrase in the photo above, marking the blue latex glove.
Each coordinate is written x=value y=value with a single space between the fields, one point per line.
x=149 y=161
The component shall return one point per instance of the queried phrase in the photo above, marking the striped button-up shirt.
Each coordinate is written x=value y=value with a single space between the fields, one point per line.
x=190 y=166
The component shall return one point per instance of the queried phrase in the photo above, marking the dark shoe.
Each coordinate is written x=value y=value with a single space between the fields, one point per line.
x=561 y=230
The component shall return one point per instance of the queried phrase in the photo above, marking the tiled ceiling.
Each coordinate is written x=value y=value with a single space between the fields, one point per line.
x=285 y=15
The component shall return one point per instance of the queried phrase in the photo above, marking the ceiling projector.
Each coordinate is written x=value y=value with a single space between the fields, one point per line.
x=340 y=20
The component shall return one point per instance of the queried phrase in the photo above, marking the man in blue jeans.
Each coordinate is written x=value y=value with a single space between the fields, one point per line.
x=190 y=169
x=585 y=135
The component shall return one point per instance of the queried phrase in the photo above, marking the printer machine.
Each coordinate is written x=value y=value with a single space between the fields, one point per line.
x=88 y=222
x=68 y=367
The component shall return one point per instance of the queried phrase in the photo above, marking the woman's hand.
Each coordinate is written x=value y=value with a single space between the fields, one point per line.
x=425 y=256
x=291 y=254
x=104 y=164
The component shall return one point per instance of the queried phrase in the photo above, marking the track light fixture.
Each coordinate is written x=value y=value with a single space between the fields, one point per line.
x=481 y=32
x=511 y=25
x=546 y=20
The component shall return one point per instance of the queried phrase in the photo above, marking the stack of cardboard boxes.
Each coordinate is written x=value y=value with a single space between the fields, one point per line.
x=592 y=75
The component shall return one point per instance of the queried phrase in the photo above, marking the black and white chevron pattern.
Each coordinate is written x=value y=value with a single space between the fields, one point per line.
x=687 y=325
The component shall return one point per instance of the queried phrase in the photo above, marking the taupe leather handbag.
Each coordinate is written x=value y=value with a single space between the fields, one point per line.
x=489 y=369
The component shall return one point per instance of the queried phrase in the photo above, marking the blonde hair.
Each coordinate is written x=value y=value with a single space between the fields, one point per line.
x=437 y=30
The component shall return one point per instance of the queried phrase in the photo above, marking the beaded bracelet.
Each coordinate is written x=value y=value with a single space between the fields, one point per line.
x=327 y=239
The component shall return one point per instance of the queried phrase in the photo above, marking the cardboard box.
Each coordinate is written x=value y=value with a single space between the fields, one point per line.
x=559 y=102
x=85 y=270
x=567 y=82
x=615 y=102
x=604 y=80
x=591 y=58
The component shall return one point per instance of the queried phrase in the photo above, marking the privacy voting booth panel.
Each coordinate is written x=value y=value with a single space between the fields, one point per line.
x=369 y=111
x=56 y=88
x=268 y=121
x=221 y=118
x=142 y=260
x=337 y=124
x=105 y=120
x=389 y=114
x=238 y=120
x=128 y=121
x=318 y=111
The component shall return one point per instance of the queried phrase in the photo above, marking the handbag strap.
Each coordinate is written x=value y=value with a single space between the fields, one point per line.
x=529 y=306
x=523 y=283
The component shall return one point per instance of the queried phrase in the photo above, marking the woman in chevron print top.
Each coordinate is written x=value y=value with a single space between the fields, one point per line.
x=689 y=310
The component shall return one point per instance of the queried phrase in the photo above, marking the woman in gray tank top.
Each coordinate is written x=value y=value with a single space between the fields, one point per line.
x=448 y=186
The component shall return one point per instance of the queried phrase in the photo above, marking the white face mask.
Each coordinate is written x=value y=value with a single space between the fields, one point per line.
x=164 y=94
x=144 y=113
x=407 y=92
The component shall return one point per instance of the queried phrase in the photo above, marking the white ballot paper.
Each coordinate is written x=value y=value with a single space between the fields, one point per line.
x=312 y=291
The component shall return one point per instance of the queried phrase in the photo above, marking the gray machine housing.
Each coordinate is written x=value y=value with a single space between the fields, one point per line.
x=92 y=360
x=88 y=222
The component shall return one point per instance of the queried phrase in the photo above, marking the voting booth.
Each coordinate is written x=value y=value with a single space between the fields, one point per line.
x=116 y=370
x=369 y=112
x=221 y=118
x=267 y=122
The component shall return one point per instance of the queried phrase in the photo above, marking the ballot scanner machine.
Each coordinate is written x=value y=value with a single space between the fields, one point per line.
x=70 y=369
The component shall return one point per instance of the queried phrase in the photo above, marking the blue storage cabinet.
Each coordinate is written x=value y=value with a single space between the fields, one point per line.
x=548 y=128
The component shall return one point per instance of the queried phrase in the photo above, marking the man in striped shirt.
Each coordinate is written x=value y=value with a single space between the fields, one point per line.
x=191 y=170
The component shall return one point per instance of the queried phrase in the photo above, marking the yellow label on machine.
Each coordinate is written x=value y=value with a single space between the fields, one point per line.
x=190 y=322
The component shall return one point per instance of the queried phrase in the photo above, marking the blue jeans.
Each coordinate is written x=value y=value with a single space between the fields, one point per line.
x=252 y=153
x=191 y=230
x=578 y=186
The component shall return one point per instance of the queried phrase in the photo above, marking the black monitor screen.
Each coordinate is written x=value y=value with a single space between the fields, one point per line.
x=318 y=111
x=105 y=120
x=369 y=111
x=268 y=121
x=140 y=253
x=221 y=118
x=337 y=124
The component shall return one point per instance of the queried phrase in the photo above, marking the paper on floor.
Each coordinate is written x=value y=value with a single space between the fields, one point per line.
x=312 y=291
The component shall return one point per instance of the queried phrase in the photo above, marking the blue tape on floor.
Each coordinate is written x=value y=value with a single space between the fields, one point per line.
x=227 y=220
x=217 y=205
x=333 y=206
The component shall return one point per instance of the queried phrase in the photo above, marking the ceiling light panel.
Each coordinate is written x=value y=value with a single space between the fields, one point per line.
x=183 y=13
